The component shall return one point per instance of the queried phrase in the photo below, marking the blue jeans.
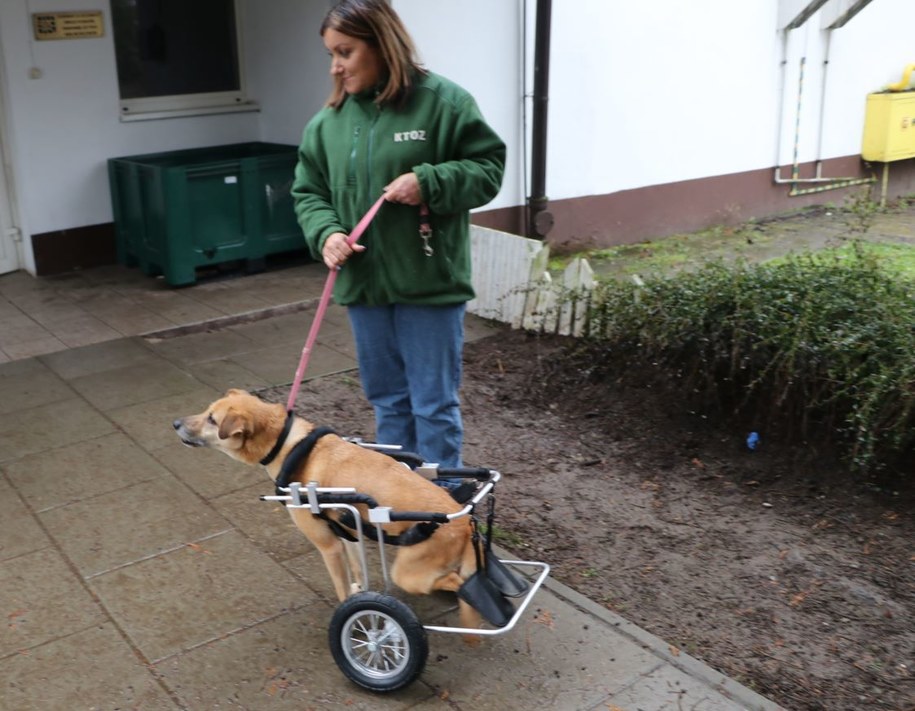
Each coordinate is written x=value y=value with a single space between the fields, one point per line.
x=410 y=367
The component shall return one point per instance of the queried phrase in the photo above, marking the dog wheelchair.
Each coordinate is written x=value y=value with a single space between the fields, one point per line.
x=376 y=639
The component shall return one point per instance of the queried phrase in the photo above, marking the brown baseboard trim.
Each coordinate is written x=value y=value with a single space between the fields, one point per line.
x=592 y=221
x=652 y=212
x=64 y=251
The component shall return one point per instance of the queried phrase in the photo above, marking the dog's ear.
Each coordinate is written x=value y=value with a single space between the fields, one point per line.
x=236 y=391
x=235 y=424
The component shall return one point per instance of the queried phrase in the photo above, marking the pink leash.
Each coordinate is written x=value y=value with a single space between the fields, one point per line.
x=322 y=305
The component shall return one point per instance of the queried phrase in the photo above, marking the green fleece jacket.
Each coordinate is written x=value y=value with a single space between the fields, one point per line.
x=348 y=155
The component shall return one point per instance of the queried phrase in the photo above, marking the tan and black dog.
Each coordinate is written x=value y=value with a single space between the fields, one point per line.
x=247 y=429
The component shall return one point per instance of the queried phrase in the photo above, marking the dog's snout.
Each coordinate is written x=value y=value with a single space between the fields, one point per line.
x=177 y=424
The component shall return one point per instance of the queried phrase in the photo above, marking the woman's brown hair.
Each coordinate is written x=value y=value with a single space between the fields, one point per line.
x=375 y=22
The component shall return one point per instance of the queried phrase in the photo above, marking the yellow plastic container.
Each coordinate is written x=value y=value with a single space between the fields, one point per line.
x=889 y=127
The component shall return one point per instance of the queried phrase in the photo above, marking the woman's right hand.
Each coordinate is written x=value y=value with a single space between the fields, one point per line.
x=336 y=250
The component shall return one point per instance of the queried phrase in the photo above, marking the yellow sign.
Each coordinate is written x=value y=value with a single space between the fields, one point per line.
x=68 y=25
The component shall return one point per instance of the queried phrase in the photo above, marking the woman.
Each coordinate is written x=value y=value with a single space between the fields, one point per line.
x=392 y=127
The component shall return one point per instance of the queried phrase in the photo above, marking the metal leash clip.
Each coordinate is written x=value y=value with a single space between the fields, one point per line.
x=425 y=230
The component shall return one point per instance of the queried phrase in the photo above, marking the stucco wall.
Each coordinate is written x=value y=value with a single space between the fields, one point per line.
x=641 y=94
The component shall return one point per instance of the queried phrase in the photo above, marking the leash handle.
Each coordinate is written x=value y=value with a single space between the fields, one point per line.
x=323 y=302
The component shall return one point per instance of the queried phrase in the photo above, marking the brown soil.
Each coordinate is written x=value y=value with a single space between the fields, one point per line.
x=771 y=566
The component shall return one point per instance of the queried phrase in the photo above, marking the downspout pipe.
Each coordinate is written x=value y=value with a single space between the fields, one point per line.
x=540 y=220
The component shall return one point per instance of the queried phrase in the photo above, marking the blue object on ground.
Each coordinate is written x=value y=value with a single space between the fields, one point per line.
x=752 y=441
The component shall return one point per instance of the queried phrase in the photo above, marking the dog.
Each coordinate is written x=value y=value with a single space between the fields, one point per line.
x=246 y=428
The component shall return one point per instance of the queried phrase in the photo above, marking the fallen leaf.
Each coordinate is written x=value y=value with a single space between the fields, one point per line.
x=196 y=547
x=545 y=618
x=674 y=650
x=799 y=598
x=698 y=463
x=15 y=615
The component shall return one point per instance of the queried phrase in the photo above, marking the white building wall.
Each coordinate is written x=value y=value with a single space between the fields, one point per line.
x=477 y=44
x=641 y=93
x=65 y=124
x=651 y=93
x=288 y=67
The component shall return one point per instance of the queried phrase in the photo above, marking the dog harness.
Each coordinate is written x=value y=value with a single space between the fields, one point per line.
x=296 y=459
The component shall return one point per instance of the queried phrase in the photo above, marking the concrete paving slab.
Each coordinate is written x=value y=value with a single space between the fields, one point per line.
x=223 y=374
x=149 y=424
x=129 y=524
x=202 y=347
x=79 y=330
x=130 y=319
x=278 y=365
x=176 y=305
x=197 y=594
x=26 y=384
x=222 y=297
x=24 y=347
x=108 y=675
x=294 y=288
x=36 y=612
x=19 y=531
x=81 y=470
x=19 y=370
x=209 y=473
x=279 y=665
x=133 y=384
x=556 y=658
x=53 y=425
x=278 y=330
x=98 y=358
x=668 y=689
x=266 y=523
x=339 y=338
x=739 y=697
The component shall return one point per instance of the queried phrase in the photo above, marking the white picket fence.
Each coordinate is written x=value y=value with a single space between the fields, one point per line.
x=513 y=284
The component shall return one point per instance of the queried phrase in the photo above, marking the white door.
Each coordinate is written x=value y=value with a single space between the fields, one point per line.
x=9 y=235
x=9 y=252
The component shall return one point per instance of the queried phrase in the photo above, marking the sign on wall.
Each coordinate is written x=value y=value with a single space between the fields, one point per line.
x=68 y=25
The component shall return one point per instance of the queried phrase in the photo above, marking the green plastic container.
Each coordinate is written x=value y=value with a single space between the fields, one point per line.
x=178 y=211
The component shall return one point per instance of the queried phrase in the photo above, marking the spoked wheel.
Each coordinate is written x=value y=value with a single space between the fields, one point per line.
x=378 y=641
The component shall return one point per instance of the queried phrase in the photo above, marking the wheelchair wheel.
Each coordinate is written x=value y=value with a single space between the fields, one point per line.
x=378 y=642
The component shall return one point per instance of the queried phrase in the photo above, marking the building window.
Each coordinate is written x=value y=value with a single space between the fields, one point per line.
x=177 y=56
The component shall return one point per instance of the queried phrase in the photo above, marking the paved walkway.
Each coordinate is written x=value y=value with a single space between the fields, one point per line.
x=136 y=573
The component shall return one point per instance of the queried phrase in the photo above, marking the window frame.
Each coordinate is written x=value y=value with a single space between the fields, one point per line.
x=173 y=105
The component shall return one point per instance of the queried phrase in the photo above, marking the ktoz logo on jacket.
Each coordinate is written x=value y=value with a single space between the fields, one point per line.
x=401 y=136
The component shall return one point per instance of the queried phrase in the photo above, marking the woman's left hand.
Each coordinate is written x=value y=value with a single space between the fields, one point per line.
x=404 y=189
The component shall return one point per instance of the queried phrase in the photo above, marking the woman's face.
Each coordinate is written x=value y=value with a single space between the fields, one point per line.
x=357 y=63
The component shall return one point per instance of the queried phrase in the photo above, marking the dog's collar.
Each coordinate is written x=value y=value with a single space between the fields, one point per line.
x=281 y=440
x=298 y=455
